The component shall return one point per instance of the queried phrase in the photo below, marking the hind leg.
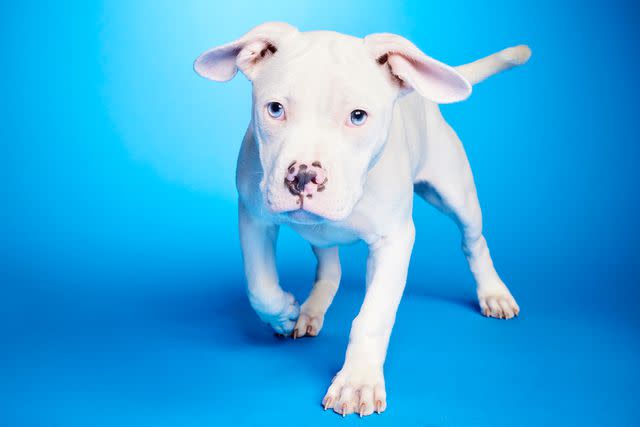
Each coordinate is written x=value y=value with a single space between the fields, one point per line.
x=449 y=186
x=324 y=289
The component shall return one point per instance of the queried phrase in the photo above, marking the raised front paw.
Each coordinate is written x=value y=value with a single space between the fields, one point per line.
x=359 y=390
x=283 y=318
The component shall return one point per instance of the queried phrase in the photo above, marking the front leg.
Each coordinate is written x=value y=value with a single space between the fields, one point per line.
x=359 y=386
x=258 y=241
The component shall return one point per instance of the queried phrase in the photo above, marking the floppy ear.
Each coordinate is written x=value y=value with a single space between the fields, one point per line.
x=221 y=63
x=411 y=69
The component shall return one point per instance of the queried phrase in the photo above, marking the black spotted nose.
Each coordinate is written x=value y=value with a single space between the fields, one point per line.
x=305 y=180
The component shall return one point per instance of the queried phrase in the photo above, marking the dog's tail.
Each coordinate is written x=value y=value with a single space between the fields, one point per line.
x=477 y=71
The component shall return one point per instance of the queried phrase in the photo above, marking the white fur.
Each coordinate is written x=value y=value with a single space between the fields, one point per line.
x=373 y=170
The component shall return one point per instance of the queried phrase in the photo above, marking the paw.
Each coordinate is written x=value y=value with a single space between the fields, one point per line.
x=361 y=391
x=283 y=318
x=307 y=325
x=498 y=303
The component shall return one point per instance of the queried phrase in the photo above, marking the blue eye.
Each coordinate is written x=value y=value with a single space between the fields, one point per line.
x=358 y=117
x=275 y=110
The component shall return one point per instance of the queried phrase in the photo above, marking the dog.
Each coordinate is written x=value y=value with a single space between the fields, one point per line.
x=344 y=131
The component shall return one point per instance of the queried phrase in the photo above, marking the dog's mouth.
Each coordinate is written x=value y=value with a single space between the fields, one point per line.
x=303 y=197
x=305 y=188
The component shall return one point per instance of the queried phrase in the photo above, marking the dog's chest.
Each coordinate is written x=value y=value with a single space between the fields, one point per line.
x=326 y=234
x=335 y=233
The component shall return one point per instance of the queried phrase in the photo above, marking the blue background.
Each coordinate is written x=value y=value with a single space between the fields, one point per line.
x=122 y=286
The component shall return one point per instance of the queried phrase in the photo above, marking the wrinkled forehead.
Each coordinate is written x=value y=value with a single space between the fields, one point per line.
x=323 y=65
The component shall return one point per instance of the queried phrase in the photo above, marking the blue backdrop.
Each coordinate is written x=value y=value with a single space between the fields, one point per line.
x=121 y=277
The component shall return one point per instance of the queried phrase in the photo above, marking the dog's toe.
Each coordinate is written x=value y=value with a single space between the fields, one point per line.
x=307 y=325
x=499 y=306
x=283 y=327
x=496 y=300
x=283 y=318
x=356 y=393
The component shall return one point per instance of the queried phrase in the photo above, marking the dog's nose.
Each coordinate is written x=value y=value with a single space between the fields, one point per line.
x=304 y=180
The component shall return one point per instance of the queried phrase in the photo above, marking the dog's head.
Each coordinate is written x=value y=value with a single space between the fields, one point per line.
x=322 y=108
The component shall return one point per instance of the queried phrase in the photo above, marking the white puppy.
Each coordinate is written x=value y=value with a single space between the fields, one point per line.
x=343 y=132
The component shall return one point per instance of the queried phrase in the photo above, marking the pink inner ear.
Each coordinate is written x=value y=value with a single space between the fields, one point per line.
x=432 y=79
x=218 y=64
x=222 y=63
